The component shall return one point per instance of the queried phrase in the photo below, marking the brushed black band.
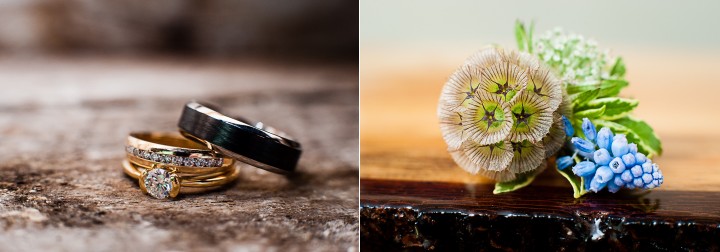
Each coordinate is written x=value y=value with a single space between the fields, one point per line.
x=258 y=145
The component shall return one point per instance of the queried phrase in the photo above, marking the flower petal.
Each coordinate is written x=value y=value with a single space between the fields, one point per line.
x=564 y=162
x=584 y=168
x=604 y=138
x=532 y=118
x=589 y=129
x=494 y=157
x=526 y=156
x=487 y=119
x=583 y=145
x=569 y=130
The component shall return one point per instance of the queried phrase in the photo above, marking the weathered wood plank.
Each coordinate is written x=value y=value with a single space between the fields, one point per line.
x=63 y=124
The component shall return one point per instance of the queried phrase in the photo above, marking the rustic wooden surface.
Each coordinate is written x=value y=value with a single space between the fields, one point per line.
x=405 y=165
x=63 y=124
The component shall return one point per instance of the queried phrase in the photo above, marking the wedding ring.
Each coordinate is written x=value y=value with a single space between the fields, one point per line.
x=165 y=162
x=164 y=182
x=255 y=144
x=172 y=149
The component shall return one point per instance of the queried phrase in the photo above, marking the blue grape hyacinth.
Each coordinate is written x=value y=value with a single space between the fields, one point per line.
x=610 y=161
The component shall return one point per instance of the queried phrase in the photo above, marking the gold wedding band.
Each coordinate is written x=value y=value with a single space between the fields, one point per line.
x=165 y=163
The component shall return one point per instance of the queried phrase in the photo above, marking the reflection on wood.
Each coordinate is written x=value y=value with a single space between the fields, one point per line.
x=453 y=216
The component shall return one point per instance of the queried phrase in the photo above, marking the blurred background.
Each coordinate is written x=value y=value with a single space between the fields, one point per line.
x=76 y=76
x=409 y=48
x=219 y=28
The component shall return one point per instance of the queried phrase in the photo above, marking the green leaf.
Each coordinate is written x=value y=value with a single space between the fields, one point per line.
x=614 y=87
x=636 y=131
x=615 y=127
x=575 y=181
x=644 y=135
x=520 y=35
x=618 y=70
x=591 y=113
x=584 y=97
x=607 y=87
x=530 y=37
x=616 y=107
x=521 y=181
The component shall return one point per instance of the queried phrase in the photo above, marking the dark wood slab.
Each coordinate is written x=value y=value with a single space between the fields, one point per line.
x=453 y=216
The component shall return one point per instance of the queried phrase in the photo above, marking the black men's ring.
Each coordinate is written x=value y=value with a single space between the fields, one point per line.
x=256 y=144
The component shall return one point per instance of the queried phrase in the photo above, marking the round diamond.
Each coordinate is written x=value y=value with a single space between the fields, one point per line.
x=177 y=160
x=166 y=159
x=146 y=155
x=159 y=183
x=129 y=149
x=218 y=162
x=136 y=152
x=188 y=162
x=154 y=157
x=203 y=162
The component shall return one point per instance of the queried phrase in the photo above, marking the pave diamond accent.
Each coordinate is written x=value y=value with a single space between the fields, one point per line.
x=177 y=160
x=159 y=183
x=188 y=162
x=174 y=160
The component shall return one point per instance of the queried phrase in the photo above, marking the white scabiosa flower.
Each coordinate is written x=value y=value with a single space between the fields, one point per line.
x=500 y=114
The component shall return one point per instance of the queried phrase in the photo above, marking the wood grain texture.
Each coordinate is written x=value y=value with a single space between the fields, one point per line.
x=63 y=124
x=451 y=216
x=407 y=172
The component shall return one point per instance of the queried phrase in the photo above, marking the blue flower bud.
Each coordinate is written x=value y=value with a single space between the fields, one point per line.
x=647 y=167
x=604 y=174
x=619 y=145
x=640 y=158
x=583 y=145
x=564 y=162
x=604 y=138
x=628 y=159
x=569 y=131
x=638 y=182
x=586 y=155
x=630 y=186
x=587 y=180
x=636 y=171
x=656 y=175
x=647 y=178
x=617 y=166
x=618 y=181
x=584 y=168
x=612 y=187
x=589 y=129
x=596 y=185
x=632 y=148
x=602 y=157
x=627 y=176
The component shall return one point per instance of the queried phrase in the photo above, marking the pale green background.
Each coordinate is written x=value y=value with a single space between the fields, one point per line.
x=675 y=24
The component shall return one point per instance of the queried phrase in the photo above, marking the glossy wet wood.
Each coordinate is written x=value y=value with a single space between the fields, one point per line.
x=451 y=216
